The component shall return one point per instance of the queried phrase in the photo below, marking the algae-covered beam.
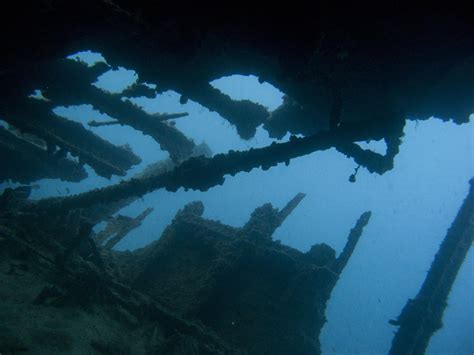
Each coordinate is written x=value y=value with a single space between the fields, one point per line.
x=352 y=241
x=201 y=173
x=69 y=83
x=95 y=123
x=103 y=211
x=37 y=118
x=290 y=206
x=118 y=228
x=169 y=116
x=114 y=225
x=422 y=316
x=265 y=219
x=139 y=90
x=159 y=117
x=24 y=162
x=244 y=114
x=371 y=160
x=185 y=79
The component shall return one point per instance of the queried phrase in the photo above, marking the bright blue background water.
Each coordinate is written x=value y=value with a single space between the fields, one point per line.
x=413 y=206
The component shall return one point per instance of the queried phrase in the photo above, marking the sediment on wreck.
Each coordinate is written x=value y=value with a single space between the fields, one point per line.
x=256 y=293
x=203 y=286
x=55 y=280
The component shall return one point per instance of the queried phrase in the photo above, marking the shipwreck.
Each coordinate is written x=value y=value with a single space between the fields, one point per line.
x=204 y=287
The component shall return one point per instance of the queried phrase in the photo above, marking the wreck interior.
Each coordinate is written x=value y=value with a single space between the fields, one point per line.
x=188 y=180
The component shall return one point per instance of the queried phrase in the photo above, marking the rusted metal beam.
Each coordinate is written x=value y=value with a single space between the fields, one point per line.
x=422 y=316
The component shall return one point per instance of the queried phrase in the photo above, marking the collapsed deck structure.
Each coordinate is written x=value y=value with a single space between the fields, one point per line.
x=203 y=287
x=349 y=74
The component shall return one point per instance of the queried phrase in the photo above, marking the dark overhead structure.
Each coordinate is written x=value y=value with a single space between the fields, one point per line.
x=336 y=64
